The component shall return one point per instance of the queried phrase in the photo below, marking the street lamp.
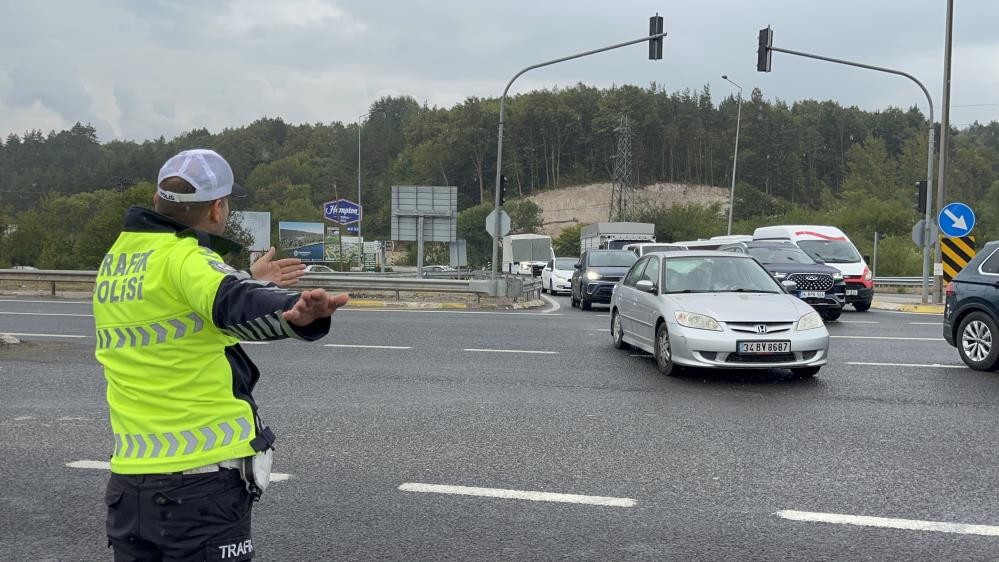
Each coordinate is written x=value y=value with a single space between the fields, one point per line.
x=735 y=157
x=360 y=241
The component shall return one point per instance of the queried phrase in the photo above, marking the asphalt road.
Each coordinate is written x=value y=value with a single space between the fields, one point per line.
x=892 y=428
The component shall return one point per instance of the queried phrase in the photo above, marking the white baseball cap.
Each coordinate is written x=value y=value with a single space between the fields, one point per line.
x=205 y=170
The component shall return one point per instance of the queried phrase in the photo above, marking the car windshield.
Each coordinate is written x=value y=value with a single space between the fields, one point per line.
x=623 y=258
x=565 y=264
x=830 y=251
x=717 y=275
x=779 y=255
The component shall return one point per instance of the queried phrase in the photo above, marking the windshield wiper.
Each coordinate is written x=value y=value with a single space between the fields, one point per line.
x=740 y=290
x=687 y=291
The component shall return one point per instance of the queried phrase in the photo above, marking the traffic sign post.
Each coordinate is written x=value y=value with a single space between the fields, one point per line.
x=504 y=224
x=956 y=220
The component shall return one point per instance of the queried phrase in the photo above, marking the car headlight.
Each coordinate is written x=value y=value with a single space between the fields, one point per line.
x=810 y=321
x=838 y=275
x=593 y=275
x=780 y=276
x=697 y=321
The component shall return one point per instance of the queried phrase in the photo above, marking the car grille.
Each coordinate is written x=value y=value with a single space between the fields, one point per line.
x=812 y=281
x=754 y=327
x=775 y=358
x=610 y=279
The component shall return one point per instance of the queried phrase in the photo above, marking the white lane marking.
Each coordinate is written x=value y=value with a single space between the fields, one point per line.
x=254 y=343
x=927 y=365
x=367 y=346
x=47 y=314
x=890 y=523
x=104 y=465
x=639 y=355
x=517 y=494
x=43 y=335
x=555 y=305
x=438 y=311
x=926 y=324
x=511 y=351
x=940 y=339
x=856 y=322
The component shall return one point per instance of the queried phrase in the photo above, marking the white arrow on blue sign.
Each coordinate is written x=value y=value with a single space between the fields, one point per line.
x=956 y=220
x=342 y=211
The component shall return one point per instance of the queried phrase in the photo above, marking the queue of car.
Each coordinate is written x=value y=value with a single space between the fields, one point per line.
x=733 y=302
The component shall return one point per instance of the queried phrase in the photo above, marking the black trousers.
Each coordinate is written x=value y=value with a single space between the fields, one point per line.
x=175 y=517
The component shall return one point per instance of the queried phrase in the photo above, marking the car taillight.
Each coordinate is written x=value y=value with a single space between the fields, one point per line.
x=951 y=289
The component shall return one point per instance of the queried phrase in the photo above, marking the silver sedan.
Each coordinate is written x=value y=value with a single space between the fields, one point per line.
x=715 y=310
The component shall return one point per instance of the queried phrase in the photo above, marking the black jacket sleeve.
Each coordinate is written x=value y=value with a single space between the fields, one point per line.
x=252 y=311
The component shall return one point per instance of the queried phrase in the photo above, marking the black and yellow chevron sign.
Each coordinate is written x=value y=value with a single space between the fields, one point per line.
x=956 y=252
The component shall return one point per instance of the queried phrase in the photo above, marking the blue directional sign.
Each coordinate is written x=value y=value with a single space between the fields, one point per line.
x=956 y=220
x=342 y=211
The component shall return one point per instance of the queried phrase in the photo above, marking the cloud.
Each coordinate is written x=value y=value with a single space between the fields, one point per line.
x=139 y=70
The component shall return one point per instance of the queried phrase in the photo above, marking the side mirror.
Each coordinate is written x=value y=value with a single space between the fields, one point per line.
x=577 y=266
x=646 y=286
x=867 y=258
x=789 y=286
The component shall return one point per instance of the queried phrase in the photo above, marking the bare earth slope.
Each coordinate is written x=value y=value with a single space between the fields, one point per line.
x=562 y=208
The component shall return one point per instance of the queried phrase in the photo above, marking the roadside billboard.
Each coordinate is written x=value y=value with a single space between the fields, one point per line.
x=303 y=240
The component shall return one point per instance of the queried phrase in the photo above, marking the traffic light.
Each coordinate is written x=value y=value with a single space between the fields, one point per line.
x=920 y=205
x=656 y=45
x=763 y=53
x=502 y=192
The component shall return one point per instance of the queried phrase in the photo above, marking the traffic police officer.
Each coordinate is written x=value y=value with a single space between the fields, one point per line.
x=170 y=315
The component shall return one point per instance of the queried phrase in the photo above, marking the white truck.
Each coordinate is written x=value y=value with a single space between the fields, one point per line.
x=526 y=254
x=615 y=235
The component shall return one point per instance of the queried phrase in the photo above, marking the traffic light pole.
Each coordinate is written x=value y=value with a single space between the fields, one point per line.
x=499 y=134
x=927 y=227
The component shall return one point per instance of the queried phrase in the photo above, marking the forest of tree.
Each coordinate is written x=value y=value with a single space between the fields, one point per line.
x=62 y=194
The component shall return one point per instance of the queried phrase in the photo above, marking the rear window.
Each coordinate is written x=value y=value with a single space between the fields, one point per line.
x=991 y=265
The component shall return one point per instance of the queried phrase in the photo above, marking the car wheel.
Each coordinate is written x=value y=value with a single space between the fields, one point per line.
x=617 y=333
x=831 y=314
x=584 y=304
x=664 y=352
x=572 y=298
x=862 y=306
x=805 y=372
x=976 y=342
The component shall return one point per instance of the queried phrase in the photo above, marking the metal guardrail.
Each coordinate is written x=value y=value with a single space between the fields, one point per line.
x=517 y=286
x=900 y=282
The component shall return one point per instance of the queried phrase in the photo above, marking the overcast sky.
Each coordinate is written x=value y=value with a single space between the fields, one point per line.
x=141 y=69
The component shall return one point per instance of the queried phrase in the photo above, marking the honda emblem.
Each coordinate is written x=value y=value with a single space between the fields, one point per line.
x=761 y=328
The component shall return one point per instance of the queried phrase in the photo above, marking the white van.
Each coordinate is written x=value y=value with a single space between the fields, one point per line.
x=643 y=248
x=714 y=242
x=830 y=245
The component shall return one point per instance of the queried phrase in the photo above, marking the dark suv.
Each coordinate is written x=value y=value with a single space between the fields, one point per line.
x=972 y=308
x=819 y=285
x=596 y=274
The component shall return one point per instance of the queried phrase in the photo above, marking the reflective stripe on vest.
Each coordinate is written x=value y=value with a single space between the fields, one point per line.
x=136 y=445
x=157 y=332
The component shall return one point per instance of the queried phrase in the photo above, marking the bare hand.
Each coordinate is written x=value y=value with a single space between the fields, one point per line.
x=284 y=272
x=313 y=305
